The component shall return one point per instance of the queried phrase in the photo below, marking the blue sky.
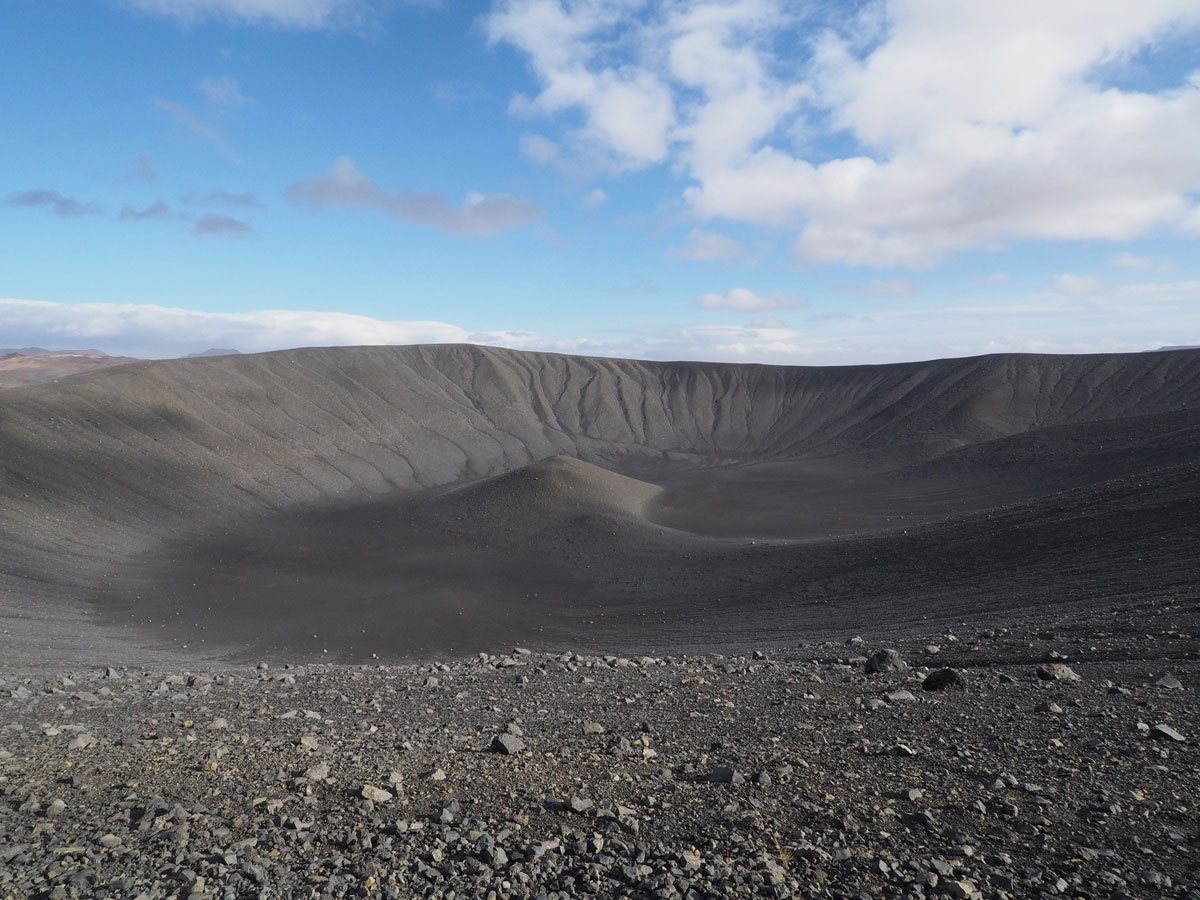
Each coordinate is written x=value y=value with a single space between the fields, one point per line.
x=741 y=180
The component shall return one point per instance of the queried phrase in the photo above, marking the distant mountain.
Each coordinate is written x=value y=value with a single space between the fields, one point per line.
x=214 y=351
x=31 y=365
x=1180 y=347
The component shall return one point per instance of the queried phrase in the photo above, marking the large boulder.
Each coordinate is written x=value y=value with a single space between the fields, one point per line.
x=945 y=680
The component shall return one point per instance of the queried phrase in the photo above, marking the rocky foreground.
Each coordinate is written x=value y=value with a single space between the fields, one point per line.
x=984 y=763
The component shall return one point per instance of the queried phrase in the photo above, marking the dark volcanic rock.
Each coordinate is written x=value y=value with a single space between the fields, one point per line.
x=725 y=775
x=965 y=794
x=944 y=680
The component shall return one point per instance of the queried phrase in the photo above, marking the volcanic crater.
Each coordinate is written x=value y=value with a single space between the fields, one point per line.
x=393 y=503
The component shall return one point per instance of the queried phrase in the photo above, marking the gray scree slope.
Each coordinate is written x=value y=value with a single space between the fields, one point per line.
x=383 y=492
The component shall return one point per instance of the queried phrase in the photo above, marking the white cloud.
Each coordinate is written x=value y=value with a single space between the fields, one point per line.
x=1191 y=221
x=884 y=287
x=540 y=149
x=628 y=110
x=973 y=125
x=298 y=14
x=594 y=199
x=149 y=331
x=480 y=214
x=156 y=331
x=745 y=300
x=1075 y=285
x=222 y=92
x=701 y=245
x=1132 y=261
x=1119 y=318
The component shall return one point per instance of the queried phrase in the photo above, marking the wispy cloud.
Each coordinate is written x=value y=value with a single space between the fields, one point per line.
x=701 y=245
x=480 y=214
x=193 y=123
x=745 y=300
x=155 y=211
x=222 y=92
x=1074 y=285
x=221 y=226
x=891 y=287
x=219 y=197
x=1143 y=263
x=208 y=225
x=594 y=199
x=294 y=14
x=143 y=169
x=54 y=202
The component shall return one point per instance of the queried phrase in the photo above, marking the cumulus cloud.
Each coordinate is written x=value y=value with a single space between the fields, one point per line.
x=745 y=300
x=628 y=110
x=52 y=201
x=221 y=226
x=701 y=245
x=479 y=214
x=157 y=331
x=971 y=125
x=296 y=14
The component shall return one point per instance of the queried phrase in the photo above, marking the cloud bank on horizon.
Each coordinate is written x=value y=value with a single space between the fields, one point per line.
x=888 y=177
x=152 y=331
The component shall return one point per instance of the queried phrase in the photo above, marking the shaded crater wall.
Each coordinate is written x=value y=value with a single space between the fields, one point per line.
x=96 y=468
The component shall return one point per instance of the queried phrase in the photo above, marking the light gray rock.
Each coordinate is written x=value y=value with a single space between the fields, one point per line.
x=1166 y=732
x=884 y=661
x=376 y=794
x=1057 y=672
x=508 y=744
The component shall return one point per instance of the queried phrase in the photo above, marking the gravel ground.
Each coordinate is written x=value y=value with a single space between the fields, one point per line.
x=1065 y=766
